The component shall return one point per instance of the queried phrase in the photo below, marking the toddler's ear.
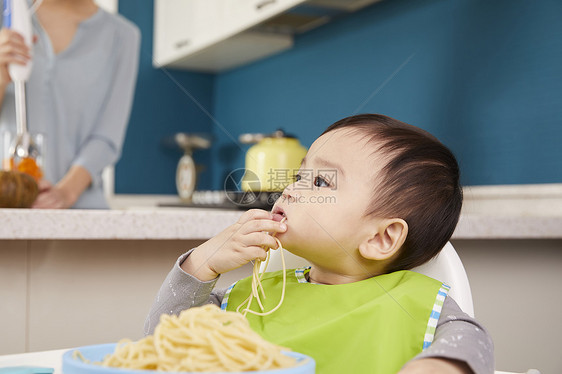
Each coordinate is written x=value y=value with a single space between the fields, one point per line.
x=389 y=236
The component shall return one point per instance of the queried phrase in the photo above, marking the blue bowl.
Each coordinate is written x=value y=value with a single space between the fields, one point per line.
x=71 y=365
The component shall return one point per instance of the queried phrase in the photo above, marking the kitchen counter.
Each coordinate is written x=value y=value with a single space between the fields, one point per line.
x=492 y=212
x=145 y=223
x=190 y=223
x=506 y=227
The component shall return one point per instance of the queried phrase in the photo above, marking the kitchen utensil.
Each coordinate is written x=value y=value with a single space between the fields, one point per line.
x=17 y=16
x=272 y=162
x=186 y=172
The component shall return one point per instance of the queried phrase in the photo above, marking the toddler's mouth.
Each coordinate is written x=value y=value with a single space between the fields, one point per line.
x=278 y=214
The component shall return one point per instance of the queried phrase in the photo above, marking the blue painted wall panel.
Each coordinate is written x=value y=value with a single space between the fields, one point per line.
x=161 y=108
x=483 y=76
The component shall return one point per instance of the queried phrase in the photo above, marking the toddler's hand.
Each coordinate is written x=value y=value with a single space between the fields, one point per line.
x=235 y=246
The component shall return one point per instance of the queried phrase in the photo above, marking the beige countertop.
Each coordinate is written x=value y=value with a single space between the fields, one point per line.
x=492 y=212
x=163 y=224
x=473 y=226
x=147 y=223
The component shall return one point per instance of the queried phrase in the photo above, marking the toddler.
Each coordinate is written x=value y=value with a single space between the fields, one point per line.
x=374 y=198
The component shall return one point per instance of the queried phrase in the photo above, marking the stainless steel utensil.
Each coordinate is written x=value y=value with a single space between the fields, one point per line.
x=23 y=145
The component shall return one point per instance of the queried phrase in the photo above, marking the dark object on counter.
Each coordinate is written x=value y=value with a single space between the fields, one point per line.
x=17 y=190
x=253 y=200
x=237 y=200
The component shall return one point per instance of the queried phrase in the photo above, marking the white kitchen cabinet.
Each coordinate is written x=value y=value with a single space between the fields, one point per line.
x=182 y=27
x=211 y=35
x=242 y=14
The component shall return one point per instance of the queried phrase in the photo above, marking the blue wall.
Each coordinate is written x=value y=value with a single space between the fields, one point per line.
x=161 y=108
x=484 y=76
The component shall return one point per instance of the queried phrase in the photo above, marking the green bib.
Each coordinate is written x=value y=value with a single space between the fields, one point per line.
x=372 y=326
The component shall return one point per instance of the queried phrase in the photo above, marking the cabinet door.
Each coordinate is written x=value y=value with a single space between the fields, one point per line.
x=240 y=15
x=184 y=26
x=187 y=28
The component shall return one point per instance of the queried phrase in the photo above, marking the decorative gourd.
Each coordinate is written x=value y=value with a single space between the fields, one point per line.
x=17 y=190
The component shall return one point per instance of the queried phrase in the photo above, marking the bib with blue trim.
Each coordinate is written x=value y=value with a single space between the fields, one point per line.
x=371 y=326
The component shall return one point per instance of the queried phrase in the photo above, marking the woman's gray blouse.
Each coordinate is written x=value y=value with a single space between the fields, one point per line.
x=80 y=99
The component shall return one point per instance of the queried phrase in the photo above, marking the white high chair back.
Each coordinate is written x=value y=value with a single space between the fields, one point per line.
x=446 y=267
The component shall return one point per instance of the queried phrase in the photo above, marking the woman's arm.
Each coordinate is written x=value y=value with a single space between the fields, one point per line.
x=104 y=143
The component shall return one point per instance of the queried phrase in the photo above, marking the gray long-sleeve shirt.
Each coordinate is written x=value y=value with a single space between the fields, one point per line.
x=80 y=98
x=458 y=336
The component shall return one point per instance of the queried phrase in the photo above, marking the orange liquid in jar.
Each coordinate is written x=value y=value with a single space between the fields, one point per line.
x=27 y=165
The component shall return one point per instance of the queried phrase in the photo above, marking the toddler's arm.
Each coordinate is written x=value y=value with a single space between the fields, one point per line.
x=461 y=345
x=181 y=291
x=436 y=366
x=191 y=281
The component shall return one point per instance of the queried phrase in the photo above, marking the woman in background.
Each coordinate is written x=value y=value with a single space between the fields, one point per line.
x=79 y=95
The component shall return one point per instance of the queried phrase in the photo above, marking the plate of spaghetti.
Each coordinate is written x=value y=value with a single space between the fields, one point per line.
x=199 y=340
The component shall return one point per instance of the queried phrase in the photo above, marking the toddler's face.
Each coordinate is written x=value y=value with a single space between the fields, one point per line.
x=325 y=207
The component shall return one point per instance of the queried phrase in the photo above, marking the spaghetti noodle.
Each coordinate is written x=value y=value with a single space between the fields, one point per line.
x=201 y=339
x=257 y=287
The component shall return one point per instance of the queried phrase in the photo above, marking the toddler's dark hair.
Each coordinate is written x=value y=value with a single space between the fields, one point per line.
x=420 y=184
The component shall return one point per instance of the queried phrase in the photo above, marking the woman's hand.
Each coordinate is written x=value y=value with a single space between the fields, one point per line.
x=66 y=192
x=235 y=246
x=13 y=50
x=51 y=197
x=435 y=366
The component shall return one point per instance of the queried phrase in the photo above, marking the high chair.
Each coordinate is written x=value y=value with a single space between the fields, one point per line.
x=446 y=267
